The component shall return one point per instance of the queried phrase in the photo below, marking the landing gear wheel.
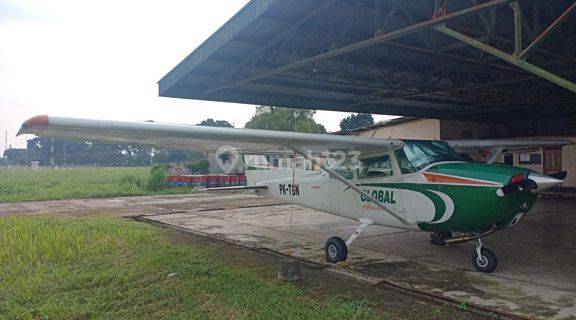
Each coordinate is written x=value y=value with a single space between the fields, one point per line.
x=486 y=261
x=336 y=250
x=439 y=238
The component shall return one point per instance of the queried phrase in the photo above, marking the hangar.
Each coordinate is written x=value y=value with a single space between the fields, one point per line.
x=506 y=68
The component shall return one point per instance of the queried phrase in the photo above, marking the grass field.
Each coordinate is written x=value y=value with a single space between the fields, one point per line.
x=109 y=268
x=47 y=184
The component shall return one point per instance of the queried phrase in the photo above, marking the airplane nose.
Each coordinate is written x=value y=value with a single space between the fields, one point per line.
x=543 y=182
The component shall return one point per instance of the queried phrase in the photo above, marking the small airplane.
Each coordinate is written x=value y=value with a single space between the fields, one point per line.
x=408 y=184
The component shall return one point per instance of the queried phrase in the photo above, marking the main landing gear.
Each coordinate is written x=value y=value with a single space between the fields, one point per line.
x=336 y=248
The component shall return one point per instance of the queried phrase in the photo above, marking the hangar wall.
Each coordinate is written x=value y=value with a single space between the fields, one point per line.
x=425 y=129
x=450 y=129
x=569 y=164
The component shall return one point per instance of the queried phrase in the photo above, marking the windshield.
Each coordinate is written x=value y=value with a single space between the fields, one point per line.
x=416 y=155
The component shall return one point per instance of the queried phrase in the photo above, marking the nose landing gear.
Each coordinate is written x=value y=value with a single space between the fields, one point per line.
x=337 y=250
x=484 y=259
x=439 y=238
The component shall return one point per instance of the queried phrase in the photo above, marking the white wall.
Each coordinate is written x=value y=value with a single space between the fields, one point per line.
x=425 y=129
x=450 y=129
x=569 y=165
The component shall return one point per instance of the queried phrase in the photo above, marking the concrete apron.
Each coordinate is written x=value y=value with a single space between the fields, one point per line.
x=536 y=276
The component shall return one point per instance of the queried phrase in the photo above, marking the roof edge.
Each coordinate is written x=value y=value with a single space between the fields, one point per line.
x=239 y=21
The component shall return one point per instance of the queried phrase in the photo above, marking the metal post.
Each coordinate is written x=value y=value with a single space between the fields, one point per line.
x=5 y=148
x=509 y=58
x=377 y=16
x=517 y=27
x=563 y=17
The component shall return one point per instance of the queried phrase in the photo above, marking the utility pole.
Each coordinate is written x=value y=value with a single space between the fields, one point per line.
x=52 y=153
x=5 y=148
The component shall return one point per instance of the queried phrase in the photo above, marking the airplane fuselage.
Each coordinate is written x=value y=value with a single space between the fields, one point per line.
x=449 y=196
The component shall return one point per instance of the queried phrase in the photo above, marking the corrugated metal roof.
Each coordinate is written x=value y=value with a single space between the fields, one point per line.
x=421 y=74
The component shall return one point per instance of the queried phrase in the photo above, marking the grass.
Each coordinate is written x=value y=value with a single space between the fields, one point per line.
x=109 y=268
x=47 y=184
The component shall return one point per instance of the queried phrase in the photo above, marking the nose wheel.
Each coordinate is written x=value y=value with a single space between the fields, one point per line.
x=484 y=259
x=336 y=248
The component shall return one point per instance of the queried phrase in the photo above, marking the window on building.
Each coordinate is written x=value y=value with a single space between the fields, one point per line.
x=530 y=158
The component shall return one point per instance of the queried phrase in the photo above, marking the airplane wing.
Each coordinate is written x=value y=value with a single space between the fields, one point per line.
x=199 y=137
x=505 y=143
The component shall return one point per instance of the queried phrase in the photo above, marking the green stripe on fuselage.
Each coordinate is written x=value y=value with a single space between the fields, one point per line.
x=475 y=207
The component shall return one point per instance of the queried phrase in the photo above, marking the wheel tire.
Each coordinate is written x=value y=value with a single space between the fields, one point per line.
x=439 y=238
x=336 y=250
x=487 y=262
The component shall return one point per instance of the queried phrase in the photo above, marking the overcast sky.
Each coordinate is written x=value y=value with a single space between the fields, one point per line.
x=102 y=59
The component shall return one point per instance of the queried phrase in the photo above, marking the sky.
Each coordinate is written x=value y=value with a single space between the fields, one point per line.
x=103 y=59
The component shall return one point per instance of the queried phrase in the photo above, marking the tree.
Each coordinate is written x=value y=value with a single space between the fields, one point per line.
x=62 y=152
x=284 y=119
x=218 y=123
x=198 y=167
x=176 y=156
x=355 y=121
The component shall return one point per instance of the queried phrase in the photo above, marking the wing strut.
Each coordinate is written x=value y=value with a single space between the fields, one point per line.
x=494 y=152
x=352 y=186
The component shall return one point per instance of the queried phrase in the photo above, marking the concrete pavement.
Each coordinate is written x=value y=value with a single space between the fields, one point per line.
x=536 y=275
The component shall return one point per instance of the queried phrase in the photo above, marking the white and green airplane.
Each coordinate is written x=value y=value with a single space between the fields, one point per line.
x=409 y=184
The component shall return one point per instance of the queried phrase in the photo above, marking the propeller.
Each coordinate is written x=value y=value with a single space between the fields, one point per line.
x=544 y=182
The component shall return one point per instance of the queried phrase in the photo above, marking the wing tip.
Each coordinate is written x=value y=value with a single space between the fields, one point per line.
x=34 y=125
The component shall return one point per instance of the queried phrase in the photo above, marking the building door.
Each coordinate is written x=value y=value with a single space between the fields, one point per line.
x=552 y=161
x=509 y=159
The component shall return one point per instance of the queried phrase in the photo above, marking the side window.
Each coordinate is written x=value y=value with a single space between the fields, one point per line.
x=403 y=163
x=376 y=167
x=345 y=172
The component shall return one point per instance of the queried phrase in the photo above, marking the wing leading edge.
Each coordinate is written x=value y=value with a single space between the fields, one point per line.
x=199 y=137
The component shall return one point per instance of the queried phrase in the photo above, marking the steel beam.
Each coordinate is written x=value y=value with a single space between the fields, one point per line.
x=281 y=35
x=563 y=17
x=517 y=27
x=508 y=57
x=368 y=42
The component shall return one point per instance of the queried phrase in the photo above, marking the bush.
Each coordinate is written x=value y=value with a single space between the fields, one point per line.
x=198 y=166
x=161 y=167
x=158 y=177
x=131 y=180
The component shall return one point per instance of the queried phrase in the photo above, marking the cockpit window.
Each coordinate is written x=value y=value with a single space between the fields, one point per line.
x=375 y=167
x=416 y=155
